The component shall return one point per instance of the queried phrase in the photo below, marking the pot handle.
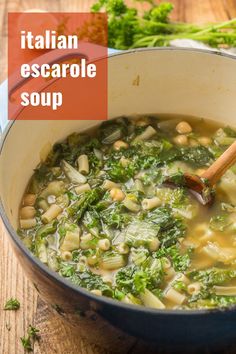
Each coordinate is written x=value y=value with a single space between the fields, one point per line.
x=54 y=56
x=85 y=50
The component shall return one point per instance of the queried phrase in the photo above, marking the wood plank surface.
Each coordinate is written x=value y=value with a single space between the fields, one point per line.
x=56 y=337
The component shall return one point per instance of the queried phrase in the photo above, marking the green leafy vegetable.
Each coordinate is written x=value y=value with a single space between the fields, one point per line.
x=118 y=173
x=171 y=227
x=213 y=276
x=160 y=13
x=115 y=216
x=133 y=279
x=91 y=281
x=198 y=156
x=47 y=229
x=33 y=332
x=217 y=301
x=139 y=233
x=78 y=208
x=67 y=270
x=179 y=286
x=12 y=304
x=208 y=278
x=230 y=132
x=27 y=341
x=181 y=262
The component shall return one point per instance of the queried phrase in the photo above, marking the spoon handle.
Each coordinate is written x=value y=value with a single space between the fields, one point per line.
x=221 y=165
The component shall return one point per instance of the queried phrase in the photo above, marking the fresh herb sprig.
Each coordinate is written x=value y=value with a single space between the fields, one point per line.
x=12 y=305
x=27 y=341
x=129 y=29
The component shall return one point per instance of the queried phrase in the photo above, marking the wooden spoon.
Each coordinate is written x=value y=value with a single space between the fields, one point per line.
x=201 y=186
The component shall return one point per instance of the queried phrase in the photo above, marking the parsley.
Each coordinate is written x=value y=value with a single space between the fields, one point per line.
x=128 y=29
x=67 y=269
x=12 y=304
x=33 y=332
x=118 y=173
x=179 y=286
x=27 y=341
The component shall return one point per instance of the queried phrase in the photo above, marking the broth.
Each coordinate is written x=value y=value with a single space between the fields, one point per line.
x=97 y=211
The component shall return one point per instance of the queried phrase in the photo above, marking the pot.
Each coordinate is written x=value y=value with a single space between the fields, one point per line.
x=175 y=81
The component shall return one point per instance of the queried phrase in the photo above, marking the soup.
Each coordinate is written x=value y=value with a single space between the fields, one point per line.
x=98 y=212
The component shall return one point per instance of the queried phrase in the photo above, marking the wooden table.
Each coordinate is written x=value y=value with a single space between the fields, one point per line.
x=56 y=337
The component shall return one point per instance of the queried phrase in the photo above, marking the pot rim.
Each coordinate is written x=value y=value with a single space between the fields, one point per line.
x=82 y=291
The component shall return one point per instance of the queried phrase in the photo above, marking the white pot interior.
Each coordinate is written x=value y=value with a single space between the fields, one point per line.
x=184 y=82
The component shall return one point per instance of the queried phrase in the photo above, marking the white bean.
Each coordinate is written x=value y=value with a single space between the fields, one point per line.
x=104 y=244
x=117 y=194
x=122 y=248
x=181 y=140
x=154 y=244
x=205 y=141
x=142 y=122
x=183 y=128
x=29 y=199
x=27 y=212
x=120 y=144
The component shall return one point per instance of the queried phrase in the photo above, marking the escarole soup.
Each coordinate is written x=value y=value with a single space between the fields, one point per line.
x=98 y=212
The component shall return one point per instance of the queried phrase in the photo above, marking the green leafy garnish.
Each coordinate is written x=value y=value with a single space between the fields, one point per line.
x=27 y=341
x=12 y=304
x=129 y=29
